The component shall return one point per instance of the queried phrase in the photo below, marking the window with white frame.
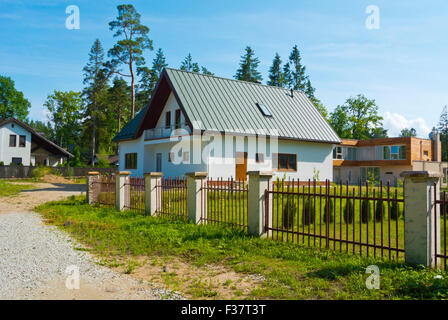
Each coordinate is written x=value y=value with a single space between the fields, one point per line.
x=337 y=152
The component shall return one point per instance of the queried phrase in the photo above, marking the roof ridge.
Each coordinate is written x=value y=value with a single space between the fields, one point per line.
x=236 y=80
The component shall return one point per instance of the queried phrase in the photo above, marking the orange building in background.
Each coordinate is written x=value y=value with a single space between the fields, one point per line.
x=384 y=159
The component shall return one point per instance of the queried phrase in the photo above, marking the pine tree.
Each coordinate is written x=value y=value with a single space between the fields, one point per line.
x=149 y=78
x=297 y=78
x=189 y=65
x=129 y=50
x=95 y=79
x=443 y=130
x=276 y=77
x=248 y=67
x=204 y=70
x=119 y=102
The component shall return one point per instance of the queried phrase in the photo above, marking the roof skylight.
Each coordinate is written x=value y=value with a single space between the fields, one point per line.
x=264 y=110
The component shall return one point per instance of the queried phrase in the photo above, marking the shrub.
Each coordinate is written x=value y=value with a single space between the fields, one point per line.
x=395 y=210
x=289 y=210
x=2 y=163
x=379 y=204
x=365 y=211
x=330 y=205
x=348 y=211
x=308 y=214
x=39 y=172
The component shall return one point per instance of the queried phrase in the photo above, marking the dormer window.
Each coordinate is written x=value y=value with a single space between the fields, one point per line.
x=168 y=120
x=177 y=119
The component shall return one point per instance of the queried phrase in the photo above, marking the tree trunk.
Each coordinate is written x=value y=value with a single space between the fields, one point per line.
x=93 y=139
x=119 y=117
x=133 y=91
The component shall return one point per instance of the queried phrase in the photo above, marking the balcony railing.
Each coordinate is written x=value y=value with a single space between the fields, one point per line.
x=165 y=132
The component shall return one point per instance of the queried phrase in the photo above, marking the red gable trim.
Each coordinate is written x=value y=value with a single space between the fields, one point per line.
x=157 y=104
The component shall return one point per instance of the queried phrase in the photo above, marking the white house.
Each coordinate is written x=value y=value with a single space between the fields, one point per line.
x=22 y=145
x=226 y=127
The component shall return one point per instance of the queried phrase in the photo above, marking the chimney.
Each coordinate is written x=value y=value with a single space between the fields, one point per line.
x=292 y=93
x=436 y=147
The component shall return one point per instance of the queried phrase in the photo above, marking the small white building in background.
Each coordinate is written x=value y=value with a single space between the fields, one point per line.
x=22 y=145
x=226 y=127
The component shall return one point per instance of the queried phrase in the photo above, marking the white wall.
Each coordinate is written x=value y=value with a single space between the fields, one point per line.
x=311 y=157
x=132 y=146
x=171 y=106
x=7 y=152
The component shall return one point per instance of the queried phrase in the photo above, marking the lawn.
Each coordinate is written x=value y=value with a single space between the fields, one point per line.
x=291 y=271
x=10 y=189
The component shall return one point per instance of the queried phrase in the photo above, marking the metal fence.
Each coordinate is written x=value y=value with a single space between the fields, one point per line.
x=440 y=223
x=172 y=197
x=105 y=186
x=363 y=219
x=225 y=201
x=135 y=194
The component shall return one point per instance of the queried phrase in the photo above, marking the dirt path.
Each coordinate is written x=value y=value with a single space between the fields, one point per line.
x=43 y=192
x=35 y=256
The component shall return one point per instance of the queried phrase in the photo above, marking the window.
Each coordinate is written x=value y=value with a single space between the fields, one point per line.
x=394 y=152
x=12 y=140
x=130 y=161
x=264 y=110
x=337 y=153
x=16 y=161
x=259 y=157
x=351 y=153
x=158 y=162
x=186 y=156
x=170 y=156
x=168 y=120
x=177 y=120
x=287 y=162
x=22 y=141
x=425 y=153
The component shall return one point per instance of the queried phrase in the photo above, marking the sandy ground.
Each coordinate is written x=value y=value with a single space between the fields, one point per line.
x=102 y=283
x=44 y=192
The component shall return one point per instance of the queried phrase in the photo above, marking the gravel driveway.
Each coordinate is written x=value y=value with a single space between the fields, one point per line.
x=34 y=258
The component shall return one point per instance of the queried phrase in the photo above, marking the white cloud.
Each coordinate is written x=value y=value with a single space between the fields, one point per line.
x=395 y=122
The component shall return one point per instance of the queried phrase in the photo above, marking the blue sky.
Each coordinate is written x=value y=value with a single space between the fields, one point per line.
x=403 y=65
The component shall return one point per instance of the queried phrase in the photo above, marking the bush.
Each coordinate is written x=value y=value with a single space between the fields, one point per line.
x=290 y=207
x=365 y=211
x=39 y=172
x=308 y=214
x=395 y=210
x=348 y=211
x=379 y=204
x=330 y=206
x=2 y=163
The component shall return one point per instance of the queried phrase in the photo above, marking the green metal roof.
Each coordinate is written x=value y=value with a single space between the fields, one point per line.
x=213 y=103
x=227 y=105
x=129 y=130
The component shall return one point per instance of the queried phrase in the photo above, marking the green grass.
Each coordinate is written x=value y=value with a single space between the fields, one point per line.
x=291 y=271
x=9 y=189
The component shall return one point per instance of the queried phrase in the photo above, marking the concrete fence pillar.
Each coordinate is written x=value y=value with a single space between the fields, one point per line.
x=421 y=236
x=92 y=187
x=153 y=199
x=258 y=183
x=195 y=201
x=121 y=194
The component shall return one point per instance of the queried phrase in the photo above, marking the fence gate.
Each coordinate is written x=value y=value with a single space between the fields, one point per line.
x=172 y=197
x=105 y=185
x=134 y=196
x=225 y=201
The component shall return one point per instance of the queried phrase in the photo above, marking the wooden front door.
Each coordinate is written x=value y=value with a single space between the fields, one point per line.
x=241 y=166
